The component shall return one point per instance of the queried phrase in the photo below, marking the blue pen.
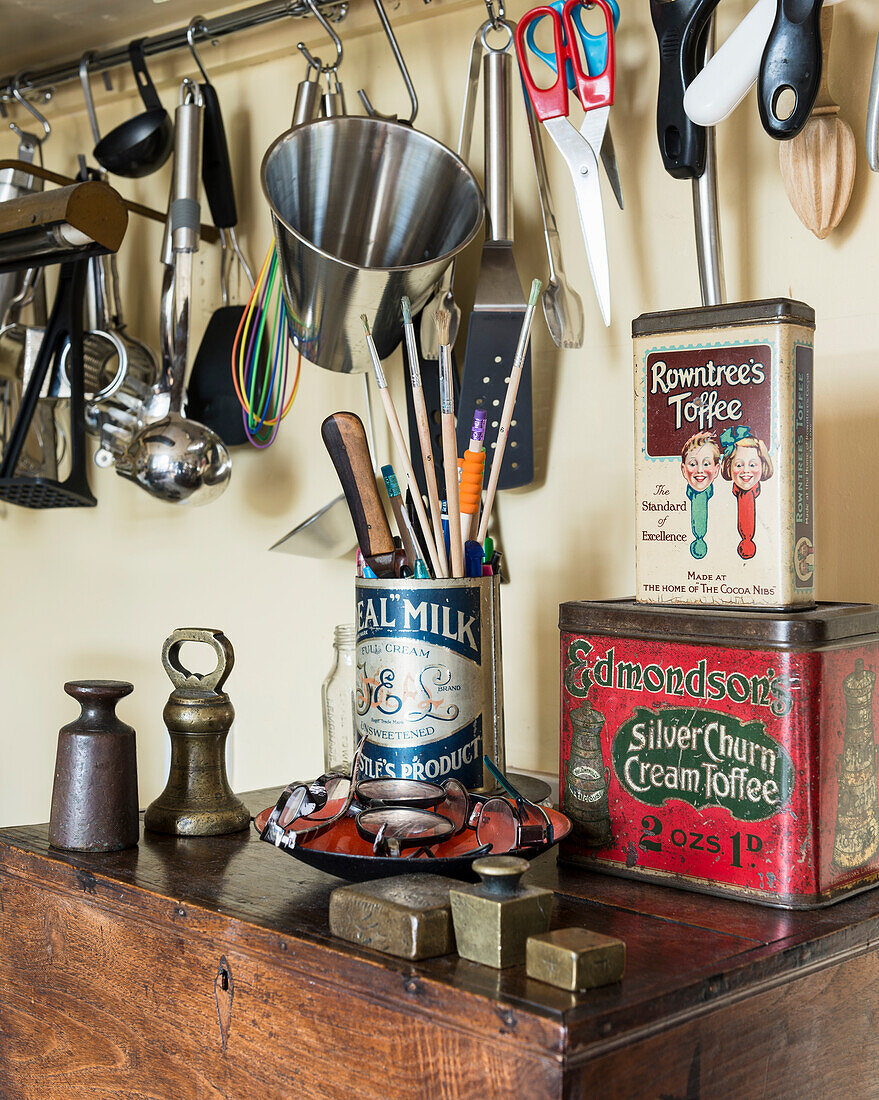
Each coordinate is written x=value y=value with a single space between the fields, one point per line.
x=472 y=558
x=444 y=513
x=367 y=572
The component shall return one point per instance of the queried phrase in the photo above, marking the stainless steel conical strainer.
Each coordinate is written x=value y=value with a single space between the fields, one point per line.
x=365 y=211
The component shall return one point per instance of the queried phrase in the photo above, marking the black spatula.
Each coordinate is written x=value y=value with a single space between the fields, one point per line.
x=210 y=397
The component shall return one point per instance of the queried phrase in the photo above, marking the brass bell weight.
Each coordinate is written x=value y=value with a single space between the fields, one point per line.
x=197 y=799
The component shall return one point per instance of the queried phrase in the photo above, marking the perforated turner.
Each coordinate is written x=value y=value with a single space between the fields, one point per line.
x=499 y=306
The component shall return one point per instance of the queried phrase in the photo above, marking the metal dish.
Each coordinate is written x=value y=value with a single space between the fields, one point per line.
x=342 y=852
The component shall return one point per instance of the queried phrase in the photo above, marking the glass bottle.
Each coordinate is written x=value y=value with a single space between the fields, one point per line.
x=337 y=696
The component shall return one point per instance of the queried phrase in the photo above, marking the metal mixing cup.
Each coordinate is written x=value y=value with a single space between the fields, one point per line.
x=364 y=211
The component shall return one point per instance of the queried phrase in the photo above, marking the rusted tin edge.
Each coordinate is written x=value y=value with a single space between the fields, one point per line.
x=696 y=885
x=811 y=629
x=779 y=310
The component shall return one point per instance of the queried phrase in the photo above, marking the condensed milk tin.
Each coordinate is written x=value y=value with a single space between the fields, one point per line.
x=723 y=455
x=429 y=684
x=723 y=751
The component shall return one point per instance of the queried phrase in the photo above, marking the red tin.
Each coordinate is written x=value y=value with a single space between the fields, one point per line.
x=726 y=752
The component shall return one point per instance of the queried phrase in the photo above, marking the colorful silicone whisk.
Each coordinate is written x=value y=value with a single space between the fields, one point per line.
x=261 y=358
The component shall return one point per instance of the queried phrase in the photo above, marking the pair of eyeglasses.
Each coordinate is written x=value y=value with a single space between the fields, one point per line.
x=305 y=810
x=403 y=813
x=409 y=814
x=535 y=826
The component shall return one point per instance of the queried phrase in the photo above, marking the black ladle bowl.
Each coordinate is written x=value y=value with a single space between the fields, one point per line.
x=142 y=144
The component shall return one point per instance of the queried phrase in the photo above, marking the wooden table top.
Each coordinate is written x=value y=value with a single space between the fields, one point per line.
x=687 y=953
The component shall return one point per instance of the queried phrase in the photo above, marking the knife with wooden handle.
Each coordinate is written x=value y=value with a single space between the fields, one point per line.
x=345 y=439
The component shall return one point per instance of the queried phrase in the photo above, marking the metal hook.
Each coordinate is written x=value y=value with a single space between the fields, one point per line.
x=401 y=65
x=315 y=62
x=196 y=23
x=495 y=19
x=16 y=92
x=84 y=63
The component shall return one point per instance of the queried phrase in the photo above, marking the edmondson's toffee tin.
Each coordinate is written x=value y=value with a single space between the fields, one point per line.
x=723 y=751
x=429 y=689
x=723 y=455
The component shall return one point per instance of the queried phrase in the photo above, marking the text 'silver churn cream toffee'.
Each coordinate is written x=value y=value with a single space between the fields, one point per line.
x=429 y=688
x=724 y=751
x=723 y=455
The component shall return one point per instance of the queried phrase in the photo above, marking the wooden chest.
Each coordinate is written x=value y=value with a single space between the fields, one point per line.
x=205 y=969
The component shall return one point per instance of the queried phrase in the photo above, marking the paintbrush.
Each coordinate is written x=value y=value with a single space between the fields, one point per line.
x=450 y=446
x=509 y=405
x=405 y=460
x=424 y=434
x=411 y=545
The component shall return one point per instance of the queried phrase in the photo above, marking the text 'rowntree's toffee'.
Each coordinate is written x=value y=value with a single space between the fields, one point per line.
x=723 y=455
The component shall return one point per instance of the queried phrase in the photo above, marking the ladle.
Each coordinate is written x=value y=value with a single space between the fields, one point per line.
x=175 y=459
x=142 y=144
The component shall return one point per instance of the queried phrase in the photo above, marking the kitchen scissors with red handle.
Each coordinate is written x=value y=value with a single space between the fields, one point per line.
x=579 y=149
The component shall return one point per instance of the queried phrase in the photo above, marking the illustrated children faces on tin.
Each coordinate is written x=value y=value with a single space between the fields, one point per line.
x=746 y=463
x=700 y=465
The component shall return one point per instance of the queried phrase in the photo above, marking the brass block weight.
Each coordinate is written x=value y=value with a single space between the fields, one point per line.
x=197 y=799
x=408 y=916
x=575 y=959
x=494 y=919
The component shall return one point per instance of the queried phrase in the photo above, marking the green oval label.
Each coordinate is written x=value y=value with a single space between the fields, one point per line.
x=704 y=758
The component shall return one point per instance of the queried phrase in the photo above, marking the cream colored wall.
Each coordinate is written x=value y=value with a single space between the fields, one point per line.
x=93 y=593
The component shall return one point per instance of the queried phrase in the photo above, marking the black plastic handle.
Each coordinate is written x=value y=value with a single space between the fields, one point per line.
x=216 y=167
x=145 y=85
x=65 y=323
x=679 y=26
x=791 y=61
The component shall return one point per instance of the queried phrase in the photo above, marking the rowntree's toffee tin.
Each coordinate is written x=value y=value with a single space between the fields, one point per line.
x=723 y=455
x=722 y=751
x=429 y=689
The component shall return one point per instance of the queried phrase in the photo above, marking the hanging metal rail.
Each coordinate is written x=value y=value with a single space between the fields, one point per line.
x=256 y=15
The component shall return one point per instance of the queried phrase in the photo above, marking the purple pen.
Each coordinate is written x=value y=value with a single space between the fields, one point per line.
x=472 y=473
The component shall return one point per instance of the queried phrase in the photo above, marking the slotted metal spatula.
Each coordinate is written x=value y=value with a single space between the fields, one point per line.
x=499 y=306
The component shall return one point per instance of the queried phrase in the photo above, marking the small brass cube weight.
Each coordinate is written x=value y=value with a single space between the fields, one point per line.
x=197 y=799
x=494 y=919
x=575 y=959
x=408 y=916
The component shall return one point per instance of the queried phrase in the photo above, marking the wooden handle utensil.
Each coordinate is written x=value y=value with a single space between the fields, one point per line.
x=345 y=439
